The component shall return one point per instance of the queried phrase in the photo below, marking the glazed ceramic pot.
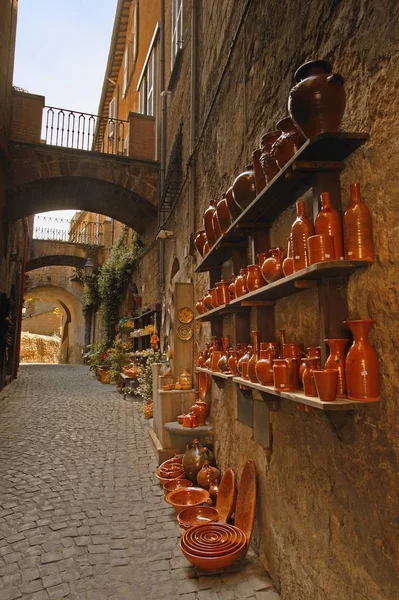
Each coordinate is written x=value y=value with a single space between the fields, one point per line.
x=240 y=285
x=215 y=357
x=216 y=225
x=199 y=305
x=292 y=351
x=320 y=248
x=269 y=166
x=317 y=102
x=222 y=293
x=190 y=420
x=223 y=362
x=232 y=205
x=288 y=262
x=207 y=474
x=186 y=380
x=204 y=381
x=208 y=223
x=233 y=359
x=272 y=267
x=361 y=364
x=264 y=366
x=244 y=188
x=336 y=360
x=314 y=352
x=260 y=180
x=207 y=301
x=200 y=241
x=308 y=382
x=326 y=384
x=214 y=295
x=180 y=419
x=176 y=484
x=195 y=457
x=244 y=359
x=232 y=287
x=288 y=143
x=285 y=375
x=328 y=222
x=214 y=491
x=358 y=228
x=223 y=213
x=254 y=358
x=301 y=229
x=254 y=278
x=197 y=515
x=200 y=410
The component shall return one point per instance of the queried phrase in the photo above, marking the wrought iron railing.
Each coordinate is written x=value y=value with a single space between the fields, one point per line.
x=67 y=230
x=83 y=131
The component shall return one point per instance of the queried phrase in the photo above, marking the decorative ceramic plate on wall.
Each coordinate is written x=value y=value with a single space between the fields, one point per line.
x=184 y=332
x=185 y=315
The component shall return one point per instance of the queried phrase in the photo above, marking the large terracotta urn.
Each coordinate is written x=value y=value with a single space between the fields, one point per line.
x=361 y=364
x=289 y=142
x=301 y=229
x=328 y=222
x=317 y=102
x=208 y=223
x=244 y=188
x=358 y=228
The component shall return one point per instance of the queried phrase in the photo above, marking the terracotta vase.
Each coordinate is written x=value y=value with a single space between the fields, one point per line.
x=201 y=359
x=254 y=358
x=207 y=474
x=320 y=248
x=292 y=351
x=260 y=180
x=289 y=142
x=214 y=296
x=232 y=205
x=361 y=364
x=269 y=166
x=314 y=352
x=336 y=360
x=254 y=278
x=301 y=229
x=264 y=366
x=207 y=301
x=308 y=382
x=223 y=362
x=285 y=375
x=200 y=241
x=272 y=267
x=216 y=225
x=199 y=305
x=208 y=223
x=329 y=222
x=232 y=287
x=215 y=357
x=288 y=262
x=244 y=188
x=200 y=410
x=326 y=384
x=194 y=459
x=224 y=216
x=186 y=380
x=358 y=228
x=222 y=293
x=244 y=359
x=233 y=359
x=240 y=285
x=317 y=102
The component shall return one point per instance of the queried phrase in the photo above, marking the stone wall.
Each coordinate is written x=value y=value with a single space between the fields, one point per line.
x=327 y=513
x=39 y=348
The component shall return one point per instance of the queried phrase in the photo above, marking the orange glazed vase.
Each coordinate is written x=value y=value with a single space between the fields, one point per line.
x=254 y=278
x=200 y=241
x=288 y=262
x=301 y=229
x=208 y=223
x=272 y=268
x=328 y=222
x=358 y=228
x=289 y=142
x=336 y=360
x=233 y=359
x=240 y=285
x=200 y=410
x=308 y=382
x=254 y=358
x=361 y=364
x=264 y=366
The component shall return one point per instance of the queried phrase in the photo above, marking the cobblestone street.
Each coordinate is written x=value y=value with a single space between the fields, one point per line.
x=82 y=516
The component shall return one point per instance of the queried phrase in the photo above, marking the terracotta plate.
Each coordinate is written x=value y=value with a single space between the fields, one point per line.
x=184 y=332
x=185 y=315
x=246 y=500
x=226 y=496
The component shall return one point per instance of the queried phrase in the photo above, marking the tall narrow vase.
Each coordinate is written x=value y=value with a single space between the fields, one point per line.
x=254 y=358
x=301 y=229
x=361 y=365
x=358 y=228
x=336 y=360
x=328 y=222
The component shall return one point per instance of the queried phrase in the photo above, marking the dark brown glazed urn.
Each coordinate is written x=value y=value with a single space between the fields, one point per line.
x=223 y=213
x=200 y=241
x=268 y=162
x=232 y=205
x=317 y=102
x=289 y=142
x=208 y=224
x=244 y=188
x=260 y=180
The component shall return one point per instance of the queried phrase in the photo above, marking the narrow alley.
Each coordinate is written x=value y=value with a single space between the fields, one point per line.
x=82 y=516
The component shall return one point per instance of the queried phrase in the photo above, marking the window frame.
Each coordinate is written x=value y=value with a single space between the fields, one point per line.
x=148 y=89
x=177 y=30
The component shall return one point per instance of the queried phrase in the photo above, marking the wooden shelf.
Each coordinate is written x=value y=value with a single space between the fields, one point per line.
x=338 y=404
x=321 y=153
x=287 y=286
x=214 y=373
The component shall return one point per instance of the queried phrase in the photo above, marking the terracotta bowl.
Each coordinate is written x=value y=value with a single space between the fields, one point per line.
x=175 y=484
x=163 y=480
x=197 y=515
x=171 y=471
x=212 y=540
x=185 y=497
x=213 y=552
x=213 y=563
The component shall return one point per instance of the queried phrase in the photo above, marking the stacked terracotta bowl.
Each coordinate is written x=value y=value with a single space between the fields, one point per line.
x=170 y=470
x=213 y=546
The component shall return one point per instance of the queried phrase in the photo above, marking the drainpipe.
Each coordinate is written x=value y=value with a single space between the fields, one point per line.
x=21 y=300
x=163 y=143
x=193 y=123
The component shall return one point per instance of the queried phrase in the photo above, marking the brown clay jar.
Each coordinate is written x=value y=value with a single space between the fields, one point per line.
x=269 y=165
x=244 y=359
x=200 y=241
x=254 y=278
x=244 y=188
x=285 y=378
x=336 y=360
x=240 y=285
x=308 y=382
x=216 y=226
x=301 y=229
x=200 y=307
x=264 y=366
x=260 y=180
x=272 y=267
x=233 y=207
x=208 y=223
x=207 y=474
x=233 y=359
x=317 y=102
x=361 y=364
x=289 y=142
x=207 y=301
x=288 y=262
x=232 y=287
x=358 y=228
x=214 y=296
x=200 y=410
x=254 y=358
x=223 y=213
x=328 y=222
x=222 y=292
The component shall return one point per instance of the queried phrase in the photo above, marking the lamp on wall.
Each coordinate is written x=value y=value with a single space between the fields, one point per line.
x=88 y=268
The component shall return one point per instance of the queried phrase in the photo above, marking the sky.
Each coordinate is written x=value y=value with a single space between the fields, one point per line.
x=62 y=50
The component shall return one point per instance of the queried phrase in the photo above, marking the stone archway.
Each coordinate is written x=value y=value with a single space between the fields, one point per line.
x=45 y=253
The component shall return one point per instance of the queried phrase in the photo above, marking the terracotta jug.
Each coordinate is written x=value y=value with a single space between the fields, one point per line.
x=358 y=228
x=308 y=382
x=289 y=142
x=208 y=223
x=244 y=359
x=314 y=352
x=254 y=358
x=288 y=262
x=361 y=364
x=233 y=207
x=222 y=292
x=285 y=375
x=244 y=188
x=216 y=225
x=207 y=474
x=200 y=306
x=317 y=102
x=194 y=459
x=232 y=287
x=200 y=410
x=272 y=268
x=215 y=357
x=254 y=278
x=336 y=360
x=240 y=285
x=326 y=381
x=224 y=216
x=207 y=302
x=200 y=241
x=186 y=380
x=328 y=222
x=260 y=180
x=268 y=162
x=301 y=229
x=214 y=488
x=233 y=359
x=264 y=366
x=214 y=296
x=201 y=358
